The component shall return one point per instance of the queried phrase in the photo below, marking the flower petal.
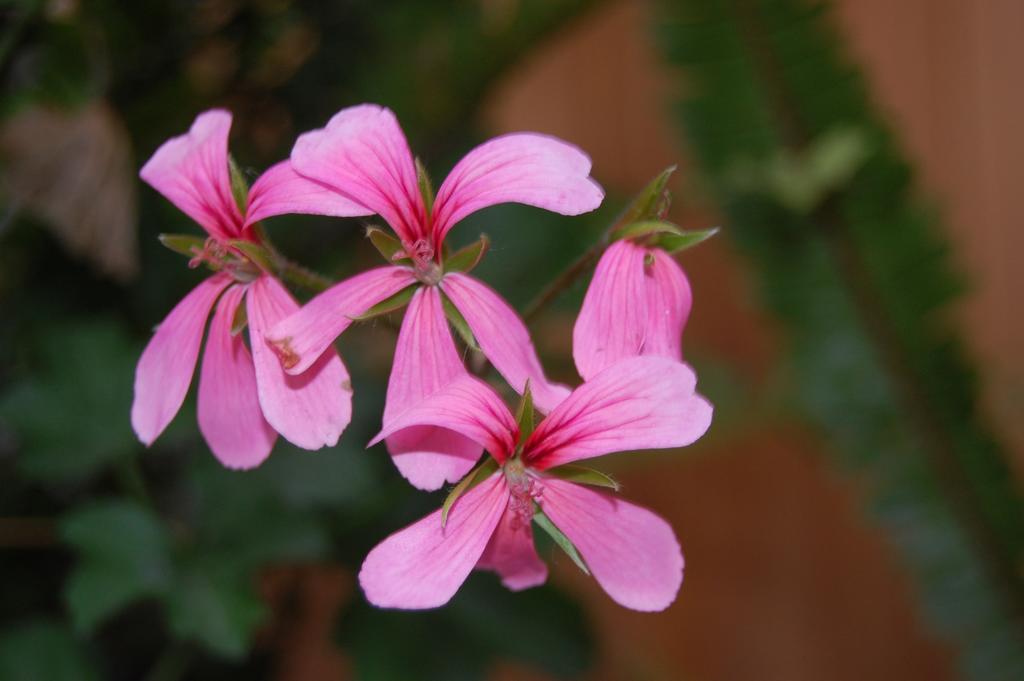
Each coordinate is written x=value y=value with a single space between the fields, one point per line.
x=230 y=417
x=538 y=170
x=638 y=403
x=301 y=338
x=426 y=361
x=311 y=409
x=511 y=553
x=468 y=406
x=191 y=171
x=165 y=368
x=503 y=338
x=613 y=319
x=668 y=306
x=281 y=190
x=424 y=565
x=363 y=154
x=633 y=554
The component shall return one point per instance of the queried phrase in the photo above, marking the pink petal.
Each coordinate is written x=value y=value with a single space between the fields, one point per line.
x=668 y=306
x=191 y=171
x=301 y=338
x=165 y=368
x=503 y=338
x=312 y=409
x=468 y=406
x=424 y=565
x=511 y=553
x=362 y=153
x=529 y=168
x=229 y=411
x=280 y=190
x=613 y=319
x=638 y=403
x=426 y=361
x=632 y=553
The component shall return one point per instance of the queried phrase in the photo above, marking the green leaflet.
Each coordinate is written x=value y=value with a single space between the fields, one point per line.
x=525 y=413
x=184 y=244
x=584 y=476
x=256 y=253
x=240 y=319
x=673 y=243
x=652 y=200
x=239 y=187
x=459 y=322
x=472 y=479
x=390 y=304
x=387 y=245
x=466 y=259
x=425 y=185
x=564 y=543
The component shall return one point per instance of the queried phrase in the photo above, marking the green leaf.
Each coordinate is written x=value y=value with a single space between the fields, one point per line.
x=472 y=479
x=256 y=253
x=185 y=244
x=564 y=543
x=651 y=202
x=62 y=414
x=425 y=185
x=216 y=607
x=584 y=475
x=525 y=413
x=239 y=185
x=673 y=243
x=389 y=304
x=387 y=245
x=459 y=322
x=466 y=259
x=123 y=555
x=41 y=650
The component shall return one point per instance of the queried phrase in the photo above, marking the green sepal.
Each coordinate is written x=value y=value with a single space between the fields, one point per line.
x=466 y=259
x=240 y=319
x=673 y=243
x=644 y=228
x=456 y=319
x=564 y=543
x=255 y=252
x=584 y=476
x=388 y=246
x=425 y=185
x=239 y=186
x=651 y=202
x=184 y=244
x=525 y=413
x=472 y=479
x=389 y=304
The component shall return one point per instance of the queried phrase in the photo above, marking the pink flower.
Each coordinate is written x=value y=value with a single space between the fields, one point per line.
x=243 y=398
x=637 y=304
x=639 y=403
x=364 y=156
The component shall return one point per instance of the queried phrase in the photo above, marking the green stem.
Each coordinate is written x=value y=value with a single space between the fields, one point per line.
x=564 y=280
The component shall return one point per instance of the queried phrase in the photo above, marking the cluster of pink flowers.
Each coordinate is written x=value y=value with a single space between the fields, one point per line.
x=438 y=419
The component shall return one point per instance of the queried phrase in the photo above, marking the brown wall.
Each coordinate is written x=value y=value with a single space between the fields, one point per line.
x=785 y=578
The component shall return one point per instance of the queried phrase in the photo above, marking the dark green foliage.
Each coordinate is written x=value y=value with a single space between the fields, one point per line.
x=818 y=195
x=538 y=627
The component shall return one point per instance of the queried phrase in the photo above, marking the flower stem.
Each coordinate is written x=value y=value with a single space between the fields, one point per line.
x=564 y=280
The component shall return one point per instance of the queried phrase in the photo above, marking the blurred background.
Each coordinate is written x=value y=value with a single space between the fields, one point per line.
x=855 y=511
